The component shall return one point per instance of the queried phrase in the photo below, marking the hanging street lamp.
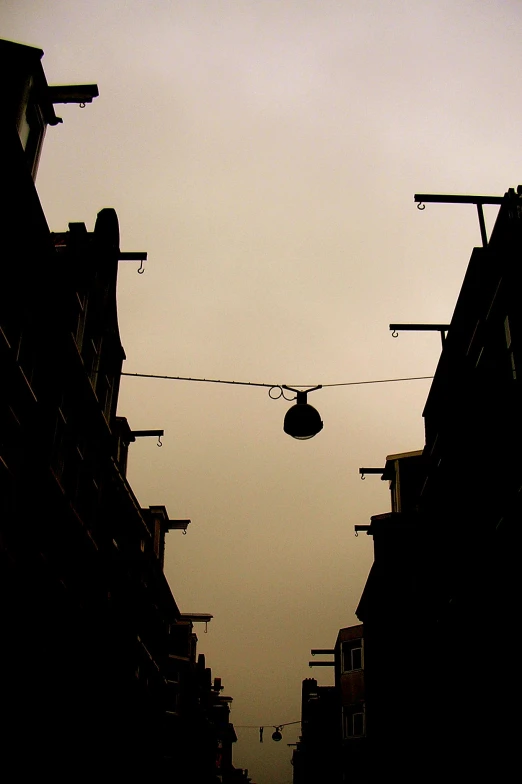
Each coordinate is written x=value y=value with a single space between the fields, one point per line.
x=302 y=421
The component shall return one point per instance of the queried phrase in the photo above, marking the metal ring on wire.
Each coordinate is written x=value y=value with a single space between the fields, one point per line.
x=281 y=391
x=288 y=398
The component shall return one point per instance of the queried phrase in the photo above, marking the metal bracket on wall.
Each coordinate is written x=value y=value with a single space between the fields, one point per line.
x=315 y=651
x=197 y=618
x=139 y=255
x=442 y=328
x=146 y=433
x=321 y=664
x=72 y=93
x=178 y=525
x=364 y=471
x=423 y=198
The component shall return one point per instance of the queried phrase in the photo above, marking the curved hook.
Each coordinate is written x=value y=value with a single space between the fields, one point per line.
x=395 y=334
x=82 y=105
x=141 y=269
x=421 y=206
x=159 y=443
x=356 y=534
x=287 y=398
x=184 y=532
x=363 y=477
x=280 y=392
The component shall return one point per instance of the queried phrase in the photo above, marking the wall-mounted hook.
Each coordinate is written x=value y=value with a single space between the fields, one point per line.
x=197 y=618
x=146 y=433
x=138 y=255
x=82 y=105
x=442 y=328
x=363 y=477
x=448 y=198
x=179 y=525
x=364 y=471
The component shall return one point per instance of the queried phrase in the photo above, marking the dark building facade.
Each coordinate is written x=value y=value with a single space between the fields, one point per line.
x=316 y=757
x=332 y=746
x=445 y=583
x=398 y=630
x=350 y=683
x=99 y=674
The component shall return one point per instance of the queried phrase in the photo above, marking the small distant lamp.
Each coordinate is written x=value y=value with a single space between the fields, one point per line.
x=277 y=734
x=302 y=421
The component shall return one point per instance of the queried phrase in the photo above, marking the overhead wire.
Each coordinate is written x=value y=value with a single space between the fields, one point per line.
x=273 y=386
x=257 y=726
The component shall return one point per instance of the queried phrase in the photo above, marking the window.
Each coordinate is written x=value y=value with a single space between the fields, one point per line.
x=357 y=724
x=91 y=357
x=507 y=332
x=353 y=722
x=352 y=655
x=31 y=130
x=81 y=316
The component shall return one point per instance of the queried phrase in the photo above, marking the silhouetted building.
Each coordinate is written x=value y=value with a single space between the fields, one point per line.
x=98 y=668
x=398 y=628
x=332 y=746
x=200 y=726
x=445 y=583
x=316 y=757
x=351 y=686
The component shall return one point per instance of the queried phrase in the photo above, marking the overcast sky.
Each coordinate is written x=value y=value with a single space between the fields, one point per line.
x=265 y=153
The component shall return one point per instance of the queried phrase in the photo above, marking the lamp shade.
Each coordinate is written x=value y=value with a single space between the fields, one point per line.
x=277 y=736
x=302 y=421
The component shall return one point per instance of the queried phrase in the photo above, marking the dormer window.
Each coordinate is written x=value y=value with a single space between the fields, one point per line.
x=31 y=130
x=28 y=101
x=352 y=655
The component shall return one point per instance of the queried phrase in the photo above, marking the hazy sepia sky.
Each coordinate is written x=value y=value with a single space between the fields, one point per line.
x=265 y=153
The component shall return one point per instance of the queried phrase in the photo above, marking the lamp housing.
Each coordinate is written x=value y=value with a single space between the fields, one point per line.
x=302 y=421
